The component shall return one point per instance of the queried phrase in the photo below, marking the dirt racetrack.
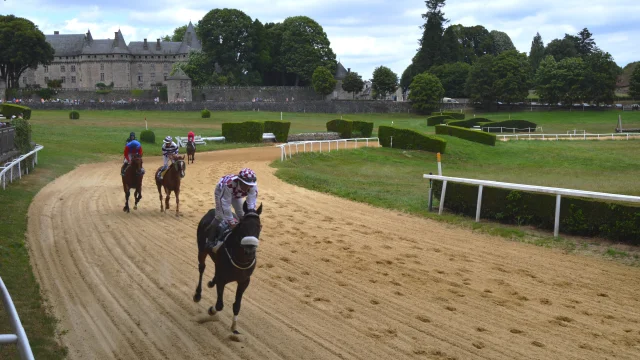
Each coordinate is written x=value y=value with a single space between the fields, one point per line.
x=335 y=279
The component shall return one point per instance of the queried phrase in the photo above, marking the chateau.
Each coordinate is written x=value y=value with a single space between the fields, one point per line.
x=81 y=61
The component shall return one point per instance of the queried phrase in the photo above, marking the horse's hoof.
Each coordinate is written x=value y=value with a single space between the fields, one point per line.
x=236 y=332
x=211 y=311
x=135 y=207
x=196 y=297
x=211 y=284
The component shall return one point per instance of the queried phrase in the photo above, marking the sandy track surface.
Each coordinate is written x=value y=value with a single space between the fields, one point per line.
x=335 y=279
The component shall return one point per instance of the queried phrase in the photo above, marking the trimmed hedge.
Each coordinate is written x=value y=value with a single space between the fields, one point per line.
x=8 y=110
x=581 y=217
x=74 y=115
x=517 y=124
x=205 y=114
x=469 y=123
x=409 y=139
x=455 y=115
x=246 y=132
x=467 y=134
x=364 y=128
x=279 y=128
x=148 y=136
x=342 y=127
x=438 y=119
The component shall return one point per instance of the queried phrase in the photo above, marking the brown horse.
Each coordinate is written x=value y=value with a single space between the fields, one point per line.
x=235 y=259
x=132 y=179
x=171 y=182
x=191 y=152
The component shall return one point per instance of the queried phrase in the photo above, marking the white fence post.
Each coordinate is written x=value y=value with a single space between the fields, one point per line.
x=556 y=226
x=479 y=203
x=20 y=336
x=444 y=190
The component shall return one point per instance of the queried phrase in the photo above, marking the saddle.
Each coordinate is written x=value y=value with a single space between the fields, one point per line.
x=219 y=240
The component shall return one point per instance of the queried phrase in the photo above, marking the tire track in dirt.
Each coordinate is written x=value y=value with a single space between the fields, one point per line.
x=335 y=279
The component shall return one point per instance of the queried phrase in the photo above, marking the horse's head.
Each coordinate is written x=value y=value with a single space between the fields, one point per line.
x=136 y=161
x=180 y=165
x=247 y=232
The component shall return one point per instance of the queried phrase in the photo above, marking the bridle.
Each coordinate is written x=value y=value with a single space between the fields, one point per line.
x=249 y=239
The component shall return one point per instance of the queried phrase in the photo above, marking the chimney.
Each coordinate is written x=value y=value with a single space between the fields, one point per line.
x=145 y=44
x=348 y=70
x=56 y=33
x=158 y=44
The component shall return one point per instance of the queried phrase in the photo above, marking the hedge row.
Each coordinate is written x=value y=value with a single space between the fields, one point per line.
x=362 y=128
x=409 y=139
x=205 y=114
x=467 y=134
x=438 y=119
x=247 y=132
x=148 y=136
x=9 y=110
x=455 y=115
x=577 y=216
x=511 y=124
x=279 y=128
x=342 y=127
x=74 y=115
x=469 y=123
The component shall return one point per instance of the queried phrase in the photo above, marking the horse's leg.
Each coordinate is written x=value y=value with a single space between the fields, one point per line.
x=126 y=198
x=177 y=202
x=166 y=198
x=202 y=257
x=236 y=305
x=160 y=195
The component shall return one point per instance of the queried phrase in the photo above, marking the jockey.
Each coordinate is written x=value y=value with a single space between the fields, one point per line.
x=132 y=147
x=230 y=191
x=191 y=138
x=132 y=136
x=169 y=150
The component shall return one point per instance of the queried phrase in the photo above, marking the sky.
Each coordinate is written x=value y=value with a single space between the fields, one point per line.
x=364 y=34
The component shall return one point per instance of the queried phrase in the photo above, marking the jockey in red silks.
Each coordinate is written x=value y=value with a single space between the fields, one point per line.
x=132 y=147
x=191 y=136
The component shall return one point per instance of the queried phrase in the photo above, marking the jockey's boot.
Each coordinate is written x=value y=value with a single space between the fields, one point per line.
x=162 y=171
x=124 y=168
x=215 y=235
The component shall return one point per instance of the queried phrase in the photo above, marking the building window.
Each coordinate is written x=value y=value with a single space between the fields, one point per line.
x=62 y=68
x=165 y=76
x=139 y=77
x=46 y=69
x=153 y=77
x=101 y=66
x=73 y=79
x=73 y=68
x=46 y=79
x=64 y=79
x=101 y=76
x=139 y=66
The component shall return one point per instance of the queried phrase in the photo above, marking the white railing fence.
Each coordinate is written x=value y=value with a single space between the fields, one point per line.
x=530 y=188
x=8 y=167
x=20 y=336
x=512 y=130
x=297 y=145
x=570 y=136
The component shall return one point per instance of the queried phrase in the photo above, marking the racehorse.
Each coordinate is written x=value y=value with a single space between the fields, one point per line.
x=171 y=182
x=132 y=179
x=191 y=152
x=234 y=260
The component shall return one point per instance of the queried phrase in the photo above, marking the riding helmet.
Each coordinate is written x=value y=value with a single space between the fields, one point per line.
x=247 y=176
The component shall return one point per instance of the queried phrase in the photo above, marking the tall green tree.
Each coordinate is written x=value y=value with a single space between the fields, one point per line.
x=429 y=53
x=305 y=46
x=600 y=77
x=225 y=35
x=479 y=84
x=352 y=83
x=259 y=56
x=548 y=85
x=22 y=46
x=585 y=43
x=323 y=81
x=634 y=83
x=562 y=49
x=512 y=76
x=407 y=76
x=537 y=52
x=451 y=48
x=200 y=69
x=426 y=93
x=453 y=78
x=570 y=77
x=476 y=41
x=501 y=42
x=384 y=81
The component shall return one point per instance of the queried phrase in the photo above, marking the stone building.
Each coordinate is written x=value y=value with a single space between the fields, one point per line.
x=179 y=87
x=81 y=61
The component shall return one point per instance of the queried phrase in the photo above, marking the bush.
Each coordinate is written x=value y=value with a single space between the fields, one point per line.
x=455 y=115
x=438 y=119
x=205 y=114
x=365 y=129
x=74 y=115
x=578 y=216
x=248 y=131
x=279 y=128
x=469 y=123
x=22 y=139
x=409 y=139
x=343 y=127
x=467 y=134
x=148 y=136
x=8 y=110
x=522 y=125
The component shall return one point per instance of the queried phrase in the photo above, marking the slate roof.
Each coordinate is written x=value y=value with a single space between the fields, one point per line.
x=341 y=72
x=66 y=45
x=179 y=75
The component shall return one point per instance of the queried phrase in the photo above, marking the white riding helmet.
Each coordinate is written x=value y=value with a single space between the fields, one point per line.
x=168 y=139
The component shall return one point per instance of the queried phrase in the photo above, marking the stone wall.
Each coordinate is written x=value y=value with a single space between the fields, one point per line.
x=332 y=107
x=248 y=93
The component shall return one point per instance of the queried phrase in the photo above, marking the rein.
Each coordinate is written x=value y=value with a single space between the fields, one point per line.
x=224 y=244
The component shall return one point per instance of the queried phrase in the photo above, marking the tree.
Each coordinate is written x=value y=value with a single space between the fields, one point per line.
x=178 y=33
x=548 y=88
x=512 y=75
x=479 y=84
x=384 y=81
x=200 y=68
x=323 y=81
x=537 y=52
x=634 y=83
x=585 y=43
x=426 y=93
x=407 y=76
x=570 y=77
x=562 y=49
x=451 y=48
x=305 y=47
x=352 y=83
x=225 y=36
x=431 y=41
x=23 y=46
x=501 y=42
x=600 y=77
x=452 y=77
x=476 y=41
x=259 y=57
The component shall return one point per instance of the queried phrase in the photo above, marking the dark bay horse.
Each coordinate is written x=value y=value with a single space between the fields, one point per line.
x=132 y=179
x=191 y=152
x=171 y=182
x=234 y=260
